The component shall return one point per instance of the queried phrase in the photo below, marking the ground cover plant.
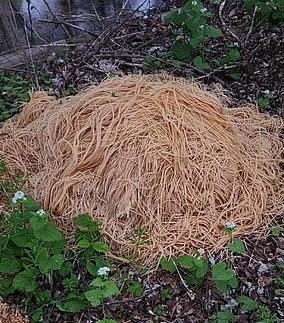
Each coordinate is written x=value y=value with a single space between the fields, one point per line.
x=51 y=281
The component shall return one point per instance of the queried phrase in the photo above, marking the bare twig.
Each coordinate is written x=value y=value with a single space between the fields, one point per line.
x=251 y=25
x=225 y=27
x=54 y=16
x=61 y=22
x=31 y=58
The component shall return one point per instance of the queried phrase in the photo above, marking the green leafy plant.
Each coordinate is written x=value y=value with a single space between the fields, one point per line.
x=265 y=315
x=35 y=263
x=247 y=303
x=237 y=246
x=191 y=32
x=277 y=230
x=224 y=277
x=264 y=101
x=195 y=267
x=14 y=92
x=267 y=11
x=225 y=316
x=134 y=288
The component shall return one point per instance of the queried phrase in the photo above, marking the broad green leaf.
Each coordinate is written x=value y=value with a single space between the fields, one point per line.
x=25 y=281
x=6 y=287
x=23 y=238
x=225 y=316
x=85 y=223
x=56 y=262
x=38 y=222
x=200 y=63
x=94 y=296
x=9 y=265
x=234 y=55
x=248 y=303
x=72 y=304
x=186 y=262
x=201 y=267
x=167 y=265
x=135 y=288
x=98 y=282
x=100 y=246
x=83 y=243
x=237 y=245
x=49 y=233
x=214 y=32
x=42 y=259
x=182 y=50
x=276 y=231
x=37 y=315
x=43 y=297
x=110 y=289
x=31 y=205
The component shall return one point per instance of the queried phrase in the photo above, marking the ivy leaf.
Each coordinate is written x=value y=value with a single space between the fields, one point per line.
x=56 y=262
x=248 y=303
x=9 y=265
x=167 y=265
x=25 y=281
x=237 y=245
x=72 y=304
x=100 y=246
x=200 y=63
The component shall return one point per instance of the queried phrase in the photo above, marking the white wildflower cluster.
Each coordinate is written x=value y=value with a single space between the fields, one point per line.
x=103 y=271
x=194 y=3
x=230 y=225
x=200 y=252
x=201 y=27
x=18 y=196
x=203 y=10
x=41 y=212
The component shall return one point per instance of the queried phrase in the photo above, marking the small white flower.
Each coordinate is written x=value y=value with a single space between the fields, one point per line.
x=103 y=271
x=200 y=252
x=19 y=195
x=194 y=3
x=266 y=91
x=203 y=10
x=212 y=260
x=14 y=200
x=236 y=44
x=230 y=225
x=201 y=27
x=41 y=212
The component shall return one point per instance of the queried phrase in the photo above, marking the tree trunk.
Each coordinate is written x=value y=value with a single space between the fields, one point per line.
x=8 y=24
